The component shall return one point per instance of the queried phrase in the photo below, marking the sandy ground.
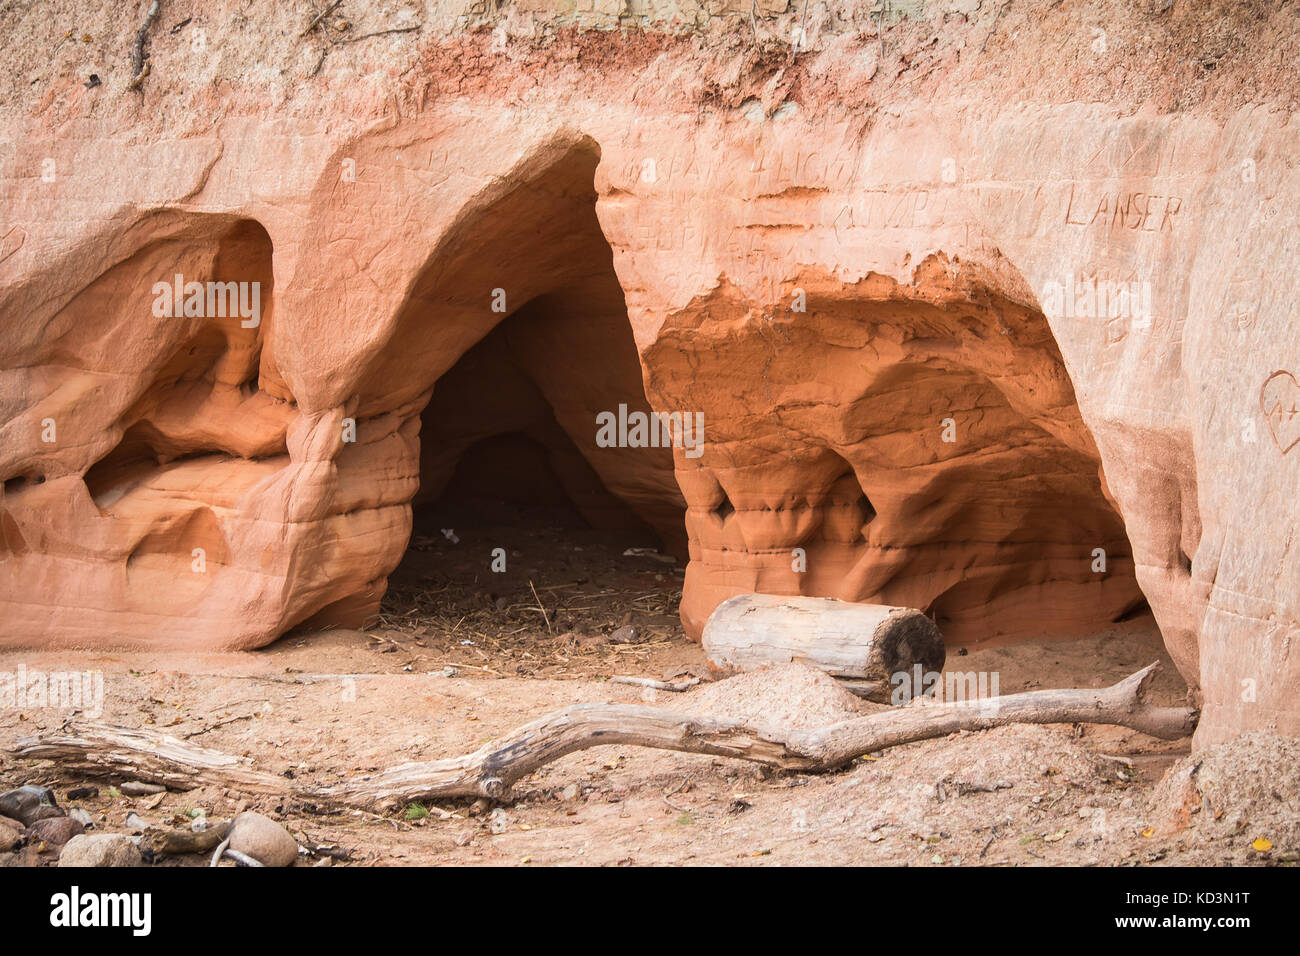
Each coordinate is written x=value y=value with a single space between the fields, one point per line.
x=1053 y=799
x=455 y=663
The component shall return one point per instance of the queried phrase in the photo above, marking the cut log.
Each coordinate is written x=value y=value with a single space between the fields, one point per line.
x=491 y=770
x=864 y=643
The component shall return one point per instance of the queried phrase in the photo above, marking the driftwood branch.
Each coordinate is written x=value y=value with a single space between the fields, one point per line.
x=167 y=842
x=101 y=750
x=491 y=770
x=676 y=686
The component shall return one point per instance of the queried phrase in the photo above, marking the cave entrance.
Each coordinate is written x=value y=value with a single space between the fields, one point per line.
x=526 y=532
x=910 y=445
x=516 y=540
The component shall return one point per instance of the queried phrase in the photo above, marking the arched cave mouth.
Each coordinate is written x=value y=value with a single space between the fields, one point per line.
x=523 y=525
x=909 y=445
x=511 y=519
x=526 y=526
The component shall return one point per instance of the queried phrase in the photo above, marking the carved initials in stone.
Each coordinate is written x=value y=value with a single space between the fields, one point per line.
x=1133 y=211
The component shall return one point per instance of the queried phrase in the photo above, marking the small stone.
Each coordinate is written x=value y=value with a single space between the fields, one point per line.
x=263 y=839
x=11 y=834
x=875 y=837
x=137 y=788
x=570 y=792
x=29 y=804
x=498 y=822
x=100 y=849
x=46 y=813
x=627 y=634
x=465 y=838
x=82 y=817
x=55 y=830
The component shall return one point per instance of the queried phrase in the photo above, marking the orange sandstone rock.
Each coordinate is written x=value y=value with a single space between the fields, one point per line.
x=958 y=343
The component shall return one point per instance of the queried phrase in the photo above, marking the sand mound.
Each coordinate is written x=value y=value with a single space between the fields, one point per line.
x=1016 y=786
x=789 y=695
x=1018 y=755
x=1235 y=793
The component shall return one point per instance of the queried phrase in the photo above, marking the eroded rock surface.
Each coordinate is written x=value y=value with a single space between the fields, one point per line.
x=872 y=264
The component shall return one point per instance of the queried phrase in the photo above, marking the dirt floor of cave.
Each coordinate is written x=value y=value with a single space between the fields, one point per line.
x=459 y=658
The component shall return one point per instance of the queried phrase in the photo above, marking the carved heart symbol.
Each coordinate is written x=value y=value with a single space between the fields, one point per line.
x=1280 y=401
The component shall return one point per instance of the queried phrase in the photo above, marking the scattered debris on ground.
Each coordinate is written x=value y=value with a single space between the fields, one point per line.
x=1016 y=795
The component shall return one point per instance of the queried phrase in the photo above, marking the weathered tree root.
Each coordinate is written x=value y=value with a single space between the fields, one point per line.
x=139 y=65
x=99 y=750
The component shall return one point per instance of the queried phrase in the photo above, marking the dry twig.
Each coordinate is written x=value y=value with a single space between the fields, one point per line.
x=319 y=17
x=674 y=686
x=139 y=66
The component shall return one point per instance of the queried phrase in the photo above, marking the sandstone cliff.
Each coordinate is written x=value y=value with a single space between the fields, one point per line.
x=987 y=309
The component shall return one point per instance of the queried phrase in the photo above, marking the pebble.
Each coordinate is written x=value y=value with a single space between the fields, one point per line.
x=11 y=834
x=263 y=839
x=29 y=804
x=55 y=830
x=137 y=788
x=82 y=817
x=100 y=849
x=625 y=635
